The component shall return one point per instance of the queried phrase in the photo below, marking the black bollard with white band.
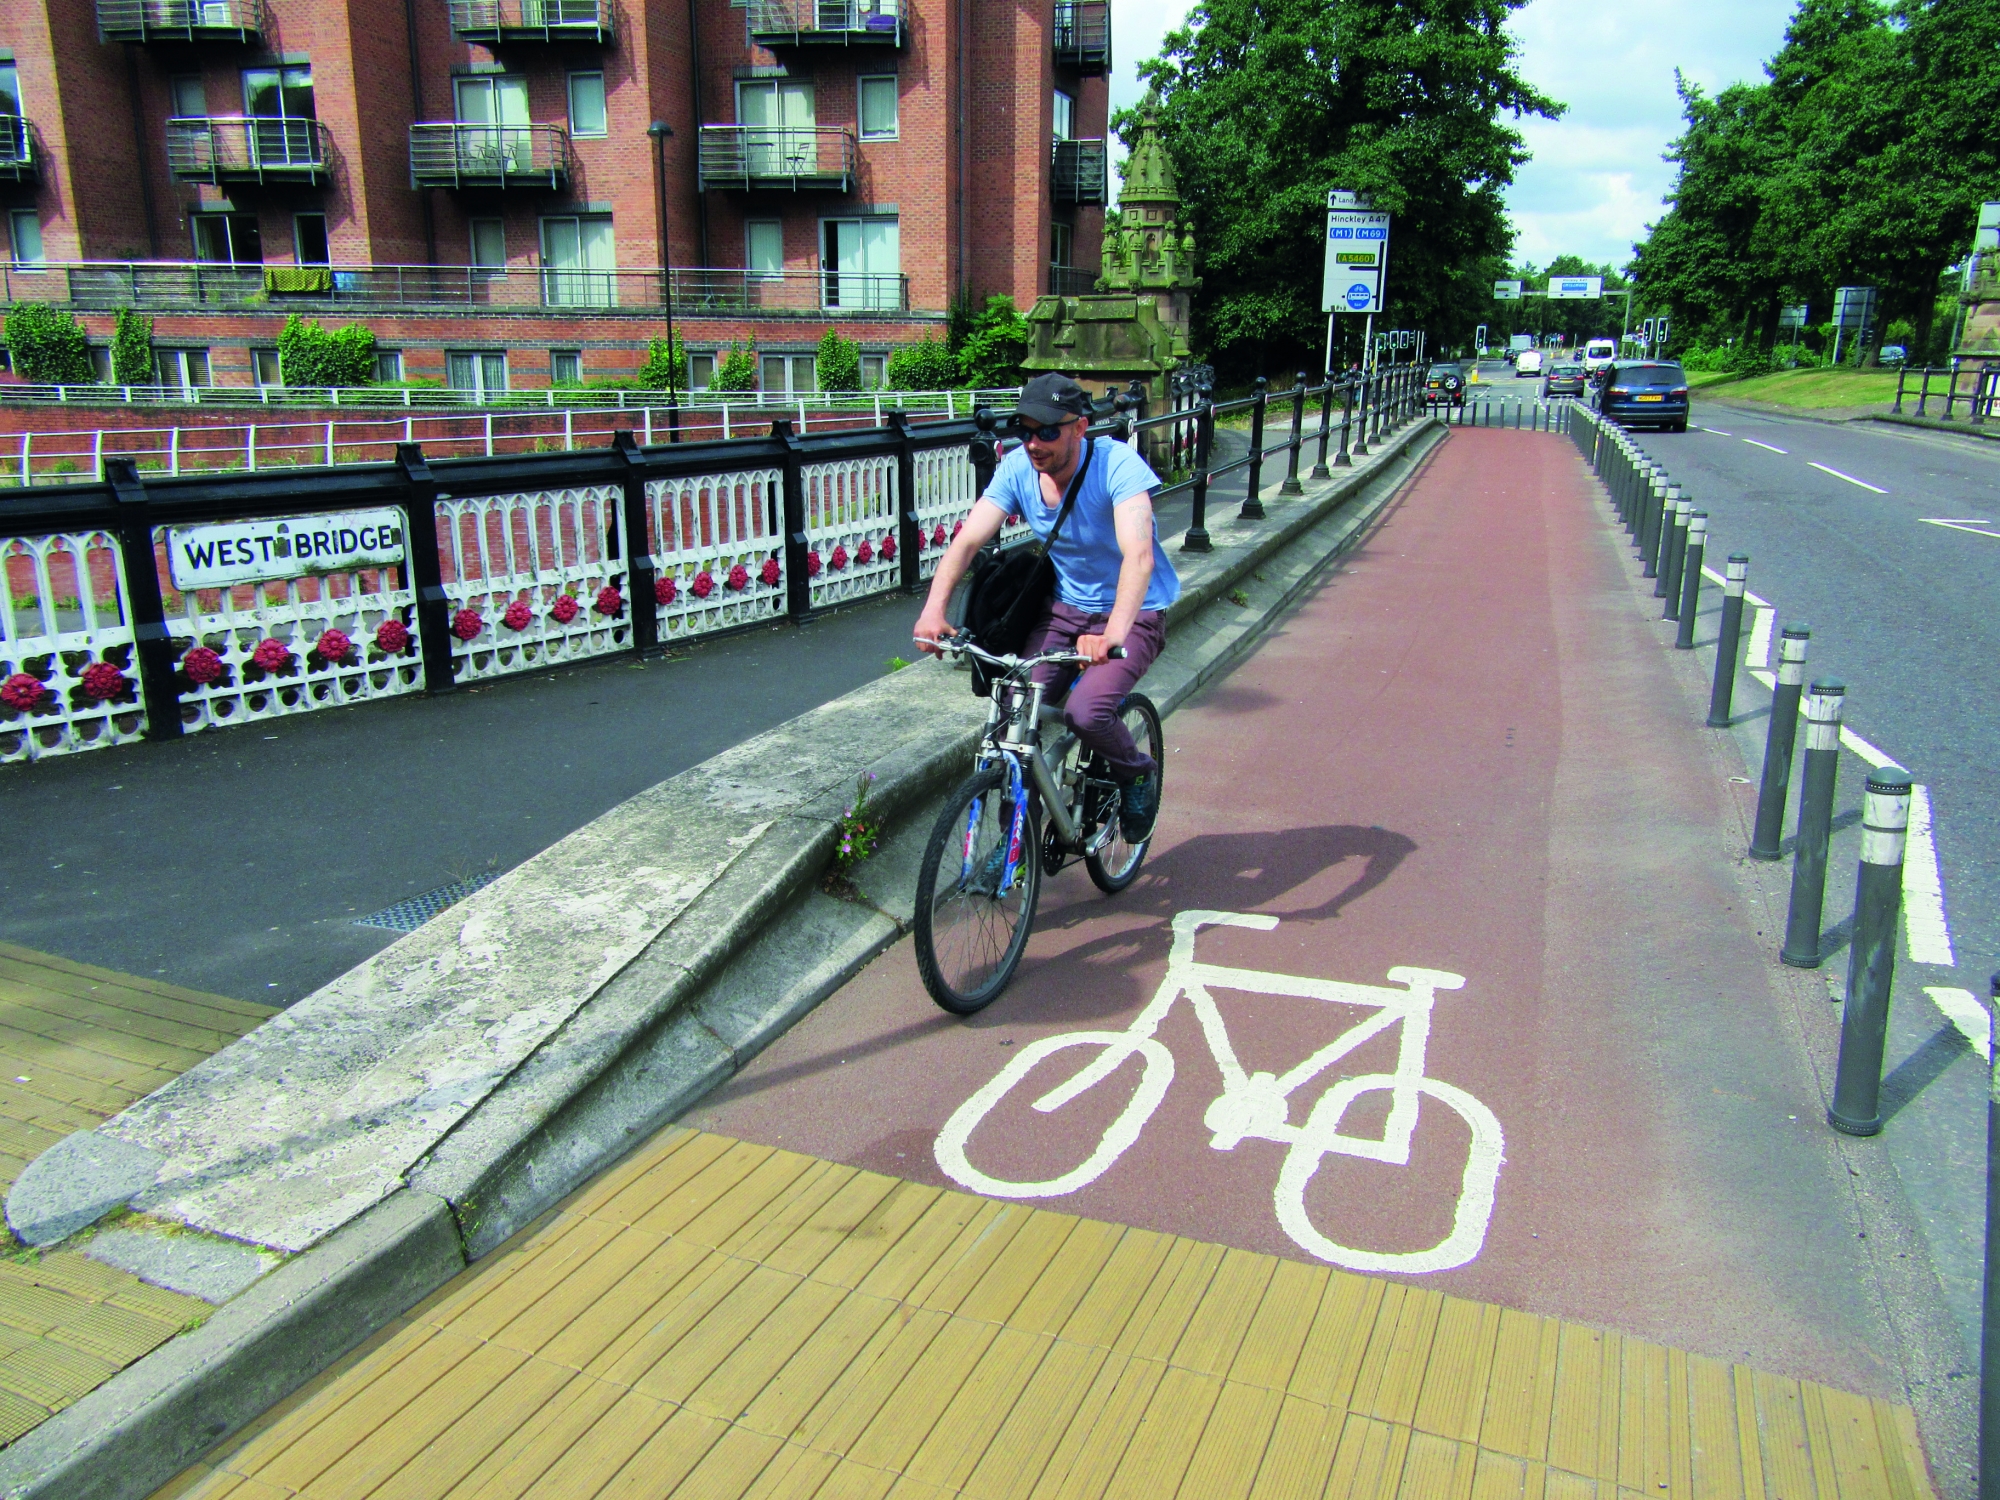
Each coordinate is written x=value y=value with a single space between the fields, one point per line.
x=1690 y=601
x=1871 y=955
x=1722 y=696
x=1673 y=546
x=1779 y=737
x=1816 y=787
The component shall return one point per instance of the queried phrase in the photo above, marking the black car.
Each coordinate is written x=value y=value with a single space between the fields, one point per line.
x=1644 y=393
x=1444 y=386
x=1567 y=380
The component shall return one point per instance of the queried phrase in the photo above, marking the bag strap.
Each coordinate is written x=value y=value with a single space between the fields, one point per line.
x=1069 y=500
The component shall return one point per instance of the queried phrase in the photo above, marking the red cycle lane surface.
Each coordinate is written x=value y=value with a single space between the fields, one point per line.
x=1464 y=752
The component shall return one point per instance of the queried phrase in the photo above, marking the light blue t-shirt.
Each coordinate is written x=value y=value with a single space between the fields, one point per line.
x=1086 y=555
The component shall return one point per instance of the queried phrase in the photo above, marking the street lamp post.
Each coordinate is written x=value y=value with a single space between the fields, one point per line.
x=660 y=130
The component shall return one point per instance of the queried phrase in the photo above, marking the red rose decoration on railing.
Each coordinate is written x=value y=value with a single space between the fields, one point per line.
x=665 y=590
x=467 y=624
x=564 y=609
x=202 y=665
x=519 y=613
x=271 y=655
x=769 y=572
x=865 y=553
x=609 y=601
x=334 y=646
x=937 y=537
x=102 y=682
x=887 y=551
x=839 y=558
x=739 y=578
x=703 y=585
x=22 y=692
x=812 y=563
x=956 y=528
x=392 y=637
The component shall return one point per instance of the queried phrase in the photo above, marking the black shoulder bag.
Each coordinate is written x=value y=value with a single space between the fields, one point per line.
x=1007 y=592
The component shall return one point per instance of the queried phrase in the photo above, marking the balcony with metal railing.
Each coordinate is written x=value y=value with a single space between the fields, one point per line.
x=207 y=286
x=501 y=22
x=1080 y=172
x=1082 y=36
x=835 y=23
x=1071 y=281
x=489 y=156
x=239 y=21
x=19 y=158
x=785 y=158
x=258 y=149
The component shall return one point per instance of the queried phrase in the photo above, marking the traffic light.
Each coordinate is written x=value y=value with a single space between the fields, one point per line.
x=1646 y=333
x=1660 y=331
x=1479 y=337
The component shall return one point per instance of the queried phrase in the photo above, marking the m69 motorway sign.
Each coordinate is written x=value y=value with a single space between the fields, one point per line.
x=206 y=557
x=1357 y=256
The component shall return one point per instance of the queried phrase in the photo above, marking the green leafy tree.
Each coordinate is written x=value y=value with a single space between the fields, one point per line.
x=839 y=363
x=994 y=346
x=47 y=346
x=1267 y=104
x=735 y=369
x=132 y=348
x=665 y=368
x=309 y=355
x=928 y=365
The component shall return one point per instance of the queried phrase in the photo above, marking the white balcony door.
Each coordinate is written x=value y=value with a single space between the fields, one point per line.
x=578 y=258
x=779 y=113
x=864 y=261
x=499 y=105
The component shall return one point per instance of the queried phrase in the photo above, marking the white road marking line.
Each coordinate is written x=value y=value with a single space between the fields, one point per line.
x=1964 y=1011
x=1748 y=597
x=1848 y=477
x=1968 y=523
x=1923 y=888
x=1766 y=679
x=1867 y=751
x=1755 y=444
x=1716 y=430
x=1760 y=638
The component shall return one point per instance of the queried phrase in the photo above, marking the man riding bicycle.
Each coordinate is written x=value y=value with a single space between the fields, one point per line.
x=1113 y=579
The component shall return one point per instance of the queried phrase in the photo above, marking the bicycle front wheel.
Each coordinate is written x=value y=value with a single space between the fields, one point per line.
x=969 y=932
x=1115 y=864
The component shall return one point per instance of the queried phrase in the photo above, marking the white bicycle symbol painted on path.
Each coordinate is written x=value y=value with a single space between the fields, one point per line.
x=1256 y=1105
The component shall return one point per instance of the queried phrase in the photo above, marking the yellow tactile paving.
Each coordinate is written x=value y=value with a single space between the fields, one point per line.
x=78 y=1044
x=716 y=1320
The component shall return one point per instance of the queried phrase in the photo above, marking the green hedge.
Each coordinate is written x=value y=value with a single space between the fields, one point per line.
x=309 y=355
x=48 y=346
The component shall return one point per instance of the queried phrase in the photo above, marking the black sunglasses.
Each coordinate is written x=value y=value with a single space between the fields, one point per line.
x=1025 y=430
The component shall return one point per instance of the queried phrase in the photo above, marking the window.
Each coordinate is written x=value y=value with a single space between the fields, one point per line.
x=874 y=371
x=764 y=246
x=565 y=367
x=577 y=263
x=389 y=366
x=476 y=373
x=878 y=109
x=309 y=239
x=499 y=102
x=10 y=90
x=180 y=369
x=779 y=113
x=100 y=363
x=862 y=265
x=787 y=374
x=1062 y=244
x=1065 y=117
x=227 y=239
x=264 y=367
x=586 y=104
x=25 y=227
x=701 y=371
x=489 y=243
x=187 y=98
x=280 y=102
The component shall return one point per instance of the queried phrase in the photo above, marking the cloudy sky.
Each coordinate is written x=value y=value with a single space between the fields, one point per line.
x=1596 y=179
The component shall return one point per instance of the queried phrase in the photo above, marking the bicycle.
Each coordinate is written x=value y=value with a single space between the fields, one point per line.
x=981 y=875
x=1256 y=1106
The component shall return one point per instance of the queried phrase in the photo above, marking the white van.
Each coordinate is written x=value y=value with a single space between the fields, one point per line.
x=1599 y=354
x=1528 y=362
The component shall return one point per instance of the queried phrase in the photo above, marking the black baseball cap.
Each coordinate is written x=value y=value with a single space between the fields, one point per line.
x=1049 y=399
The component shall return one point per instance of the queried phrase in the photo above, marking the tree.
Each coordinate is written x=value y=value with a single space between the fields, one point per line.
x=735 y=369
x=47 y=345
x=666 y=365
x=838 y=364
x=1265 y=105
x=994 y=346
x=132 y=348
x=309 y=355
x=928 y=365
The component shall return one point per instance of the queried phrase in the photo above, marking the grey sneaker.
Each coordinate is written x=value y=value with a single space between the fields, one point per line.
x=1138 y=806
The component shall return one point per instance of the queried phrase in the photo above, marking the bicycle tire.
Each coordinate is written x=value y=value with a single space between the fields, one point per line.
x=963 y=966
x=1116 y=865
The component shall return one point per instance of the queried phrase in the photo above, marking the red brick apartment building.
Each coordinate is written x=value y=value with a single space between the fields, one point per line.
x=475 y=179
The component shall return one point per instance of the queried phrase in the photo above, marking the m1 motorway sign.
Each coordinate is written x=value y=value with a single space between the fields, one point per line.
x=1357 y=256
x=206 y=557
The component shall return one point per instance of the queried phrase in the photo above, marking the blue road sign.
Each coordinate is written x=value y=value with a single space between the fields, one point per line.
x=1360 y=295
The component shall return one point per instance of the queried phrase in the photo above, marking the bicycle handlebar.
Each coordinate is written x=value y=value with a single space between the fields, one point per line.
x=964 y=644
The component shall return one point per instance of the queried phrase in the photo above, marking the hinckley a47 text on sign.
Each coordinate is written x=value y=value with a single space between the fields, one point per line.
x=206 y=557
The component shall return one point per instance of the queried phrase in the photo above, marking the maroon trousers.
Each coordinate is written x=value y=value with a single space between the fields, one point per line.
x=1091 y=710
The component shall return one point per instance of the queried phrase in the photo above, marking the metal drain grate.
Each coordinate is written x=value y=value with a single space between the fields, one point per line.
x=410 y=914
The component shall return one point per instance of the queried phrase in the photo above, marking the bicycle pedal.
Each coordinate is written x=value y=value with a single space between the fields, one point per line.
x=1055 y=854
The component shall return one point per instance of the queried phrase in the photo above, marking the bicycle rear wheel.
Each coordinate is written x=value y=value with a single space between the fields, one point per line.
x=1115 y=864
x=969 y=934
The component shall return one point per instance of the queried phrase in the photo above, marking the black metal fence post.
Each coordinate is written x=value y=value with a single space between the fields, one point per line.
x=1253 y=501
x=1360 y=403
x=1816 y=788
x=1780 y=732
x=1341 y=459
x=427 y=569
x=1690 y=600
x=640 y=570
x=153 y=647
x=1722 y=696
x=1319 y=469
x=909 y=539
x=1291 y=486
x=798 y=583
x=1196 y=539
x=1871 y=954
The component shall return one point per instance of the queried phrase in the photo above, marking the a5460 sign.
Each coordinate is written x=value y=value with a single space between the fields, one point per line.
x=204 y=557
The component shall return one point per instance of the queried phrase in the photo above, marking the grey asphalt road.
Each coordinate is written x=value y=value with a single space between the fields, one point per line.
x=237 y=861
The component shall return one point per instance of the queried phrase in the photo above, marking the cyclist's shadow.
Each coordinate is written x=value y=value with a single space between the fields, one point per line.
x=1298 y=874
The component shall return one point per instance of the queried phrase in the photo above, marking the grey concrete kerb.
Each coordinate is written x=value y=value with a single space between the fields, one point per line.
x=470 y=1075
